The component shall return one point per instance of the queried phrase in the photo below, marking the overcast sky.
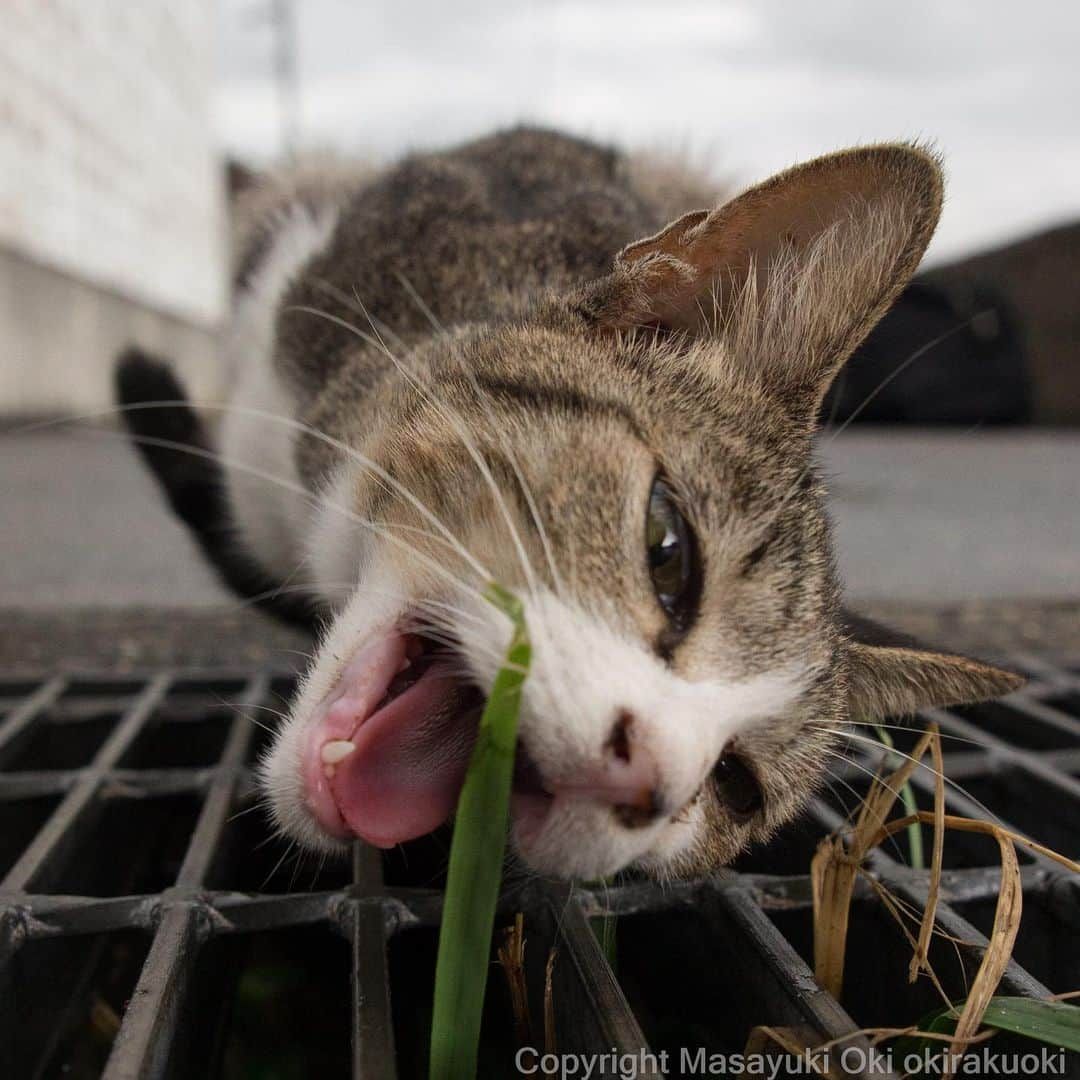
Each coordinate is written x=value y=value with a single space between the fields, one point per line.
x=746 y=87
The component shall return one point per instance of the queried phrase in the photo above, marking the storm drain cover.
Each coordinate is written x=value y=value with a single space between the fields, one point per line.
x=152 y=925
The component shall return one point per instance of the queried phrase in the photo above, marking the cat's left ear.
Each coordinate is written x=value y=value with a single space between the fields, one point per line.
x=890 y=675
x=791 y=275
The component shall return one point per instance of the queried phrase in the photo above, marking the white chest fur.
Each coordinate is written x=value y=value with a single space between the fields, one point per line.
x=258 y=434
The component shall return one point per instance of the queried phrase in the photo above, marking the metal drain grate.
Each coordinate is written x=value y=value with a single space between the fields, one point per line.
x=150 y=928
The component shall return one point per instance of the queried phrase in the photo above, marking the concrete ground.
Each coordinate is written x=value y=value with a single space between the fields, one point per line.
x=922 y=517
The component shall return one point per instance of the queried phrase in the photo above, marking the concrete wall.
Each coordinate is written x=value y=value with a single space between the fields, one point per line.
x=111 y=214
x=59 y=335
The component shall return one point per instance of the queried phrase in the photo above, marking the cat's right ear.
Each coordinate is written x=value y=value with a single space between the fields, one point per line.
x=791 y=275
x=890 y=674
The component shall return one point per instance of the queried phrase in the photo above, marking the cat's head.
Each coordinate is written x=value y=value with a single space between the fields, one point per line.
x=634 y=461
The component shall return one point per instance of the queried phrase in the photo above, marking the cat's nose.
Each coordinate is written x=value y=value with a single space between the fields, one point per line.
x=627 y=780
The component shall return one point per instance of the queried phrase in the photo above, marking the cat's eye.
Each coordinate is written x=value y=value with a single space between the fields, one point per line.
x=672 y=555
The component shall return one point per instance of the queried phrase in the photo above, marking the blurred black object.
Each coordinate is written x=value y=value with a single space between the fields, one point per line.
x=942 y=355
x=1020 y=363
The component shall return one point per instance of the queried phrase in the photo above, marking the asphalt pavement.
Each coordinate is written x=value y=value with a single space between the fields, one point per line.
x=922 y=516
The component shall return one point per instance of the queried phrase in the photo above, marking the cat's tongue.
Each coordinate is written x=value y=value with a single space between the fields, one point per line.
x=389 y=745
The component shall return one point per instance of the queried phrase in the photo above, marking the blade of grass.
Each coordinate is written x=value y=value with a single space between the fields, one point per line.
x=923 y=1043
x=832 y=880
x=834 y=867
x=603 y=927
x=476 y=858
x=512 y=957
x=1050 y=1022
x=550 y=1044
x=975 y=1019
x=907 y=797
x=920 y=957
x=999 y=949
x=988 y=828
x=797 y=1042
x=901 y=915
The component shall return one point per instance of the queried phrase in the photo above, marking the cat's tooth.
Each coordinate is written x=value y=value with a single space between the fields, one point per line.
x=336 y=750
x=405 y=664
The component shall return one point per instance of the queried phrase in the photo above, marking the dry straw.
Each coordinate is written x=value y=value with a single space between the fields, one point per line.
x=839 y=861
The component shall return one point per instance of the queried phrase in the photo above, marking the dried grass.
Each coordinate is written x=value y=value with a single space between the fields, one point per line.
x=839 y=860
x=549 y=1002
x=512 y=959
x=800 y=1042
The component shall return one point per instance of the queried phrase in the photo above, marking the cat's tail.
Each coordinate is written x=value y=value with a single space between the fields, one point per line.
x=172 y=440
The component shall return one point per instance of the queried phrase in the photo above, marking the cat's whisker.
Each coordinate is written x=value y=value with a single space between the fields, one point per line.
x=497 y=430
x=318 y=870
x=918 y=354
x=377 y=528
x=908 y=729
x=456 y=421
x=255 y=599
x=876 y=744
x=452 y=609
x=894 y=841
x=851 y=762
x=859 y=799
x=451 y=417
x=277 y=866
x=352 y=588
x=260 y=804
x=251 y=719
x=297 y=863
x=770 y=519
x=451 y=640
x=901 y=367
x=302 y=653
x=290 y=422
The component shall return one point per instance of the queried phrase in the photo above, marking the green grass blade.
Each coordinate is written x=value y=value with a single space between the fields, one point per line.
x=604 y=928
x=476 y=858
x=907 y=797
x=1053 y=1022
x=938 y=1022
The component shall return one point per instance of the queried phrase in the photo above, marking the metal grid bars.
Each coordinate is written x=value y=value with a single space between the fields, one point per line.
x=150 y=925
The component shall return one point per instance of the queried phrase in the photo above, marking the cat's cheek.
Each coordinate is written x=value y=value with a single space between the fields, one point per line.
x=679 y=841
x=576 y=841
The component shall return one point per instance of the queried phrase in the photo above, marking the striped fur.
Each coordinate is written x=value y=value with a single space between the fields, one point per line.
x=485 y=330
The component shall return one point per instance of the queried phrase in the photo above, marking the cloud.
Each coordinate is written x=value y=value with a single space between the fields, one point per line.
x=752 y=86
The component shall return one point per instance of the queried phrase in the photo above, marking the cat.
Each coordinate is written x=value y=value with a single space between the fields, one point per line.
x=506 y=363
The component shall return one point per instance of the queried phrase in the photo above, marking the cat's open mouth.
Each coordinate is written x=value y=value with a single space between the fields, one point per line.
x=388 y=747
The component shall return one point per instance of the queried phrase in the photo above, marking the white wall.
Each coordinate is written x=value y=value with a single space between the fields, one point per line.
x=109 y=177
